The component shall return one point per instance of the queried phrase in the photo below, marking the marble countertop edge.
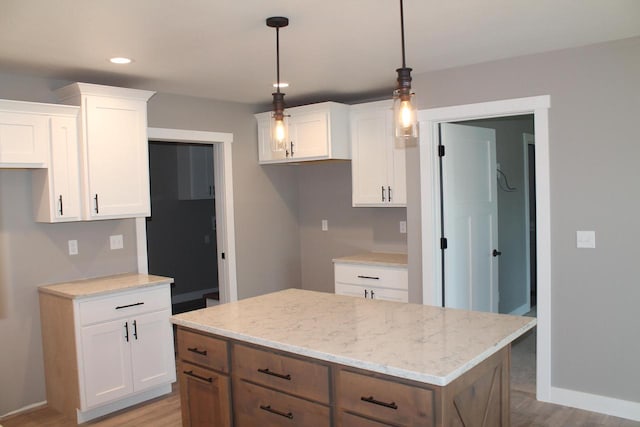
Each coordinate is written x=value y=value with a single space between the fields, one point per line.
x=99 y=286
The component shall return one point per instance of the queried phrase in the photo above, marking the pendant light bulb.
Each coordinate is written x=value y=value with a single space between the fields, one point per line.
x=404 y=102
x=280 y=125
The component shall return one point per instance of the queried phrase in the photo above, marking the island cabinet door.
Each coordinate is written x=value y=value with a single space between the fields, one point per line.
x=205 y=397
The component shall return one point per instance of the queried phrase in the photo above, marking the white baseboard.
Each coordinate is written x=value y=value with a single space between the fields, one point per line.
x=595 y=403
x=178 y=298
x=27 y=408
x=523 y=309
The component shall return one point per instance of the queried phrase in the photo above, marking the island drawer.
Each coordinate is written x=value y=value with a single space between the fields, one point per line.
x=258 y=406
x=123 y=304
x=372 y=275
x=384 y=399
x=203 y=350
x=300 y=377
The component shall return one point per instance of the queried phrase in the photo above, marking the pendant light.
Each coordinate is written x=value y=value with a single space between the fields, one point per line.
x=279 y=126
x=404 y=102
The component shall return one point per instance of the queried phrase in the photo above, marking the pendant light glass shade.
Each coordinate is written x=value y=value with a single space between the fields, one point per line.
x=405 y=114
x=280 y=123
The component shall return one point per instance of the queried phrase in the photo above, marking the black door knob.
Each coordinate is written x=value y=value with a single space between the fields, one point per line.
x=496 y=252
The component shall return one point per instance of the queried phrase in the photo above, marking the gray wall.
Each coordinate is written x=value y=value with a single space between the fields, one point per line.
x=325 y=193
x=594 y=152
x=512 y=274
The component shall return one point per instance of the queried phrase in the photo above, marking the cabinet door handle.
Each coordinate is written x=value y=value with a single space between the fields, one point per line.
x=126 y=331
x=383 y=197
x=96 y=200
x=268 y=408
x=275 y=374
x=135 y=328
x=60 y=200
x=370 y=399
x=368 y=277
x=372 y=294
x=389 y=192
x=291 y=148
x=195 y=350
x=366 y=293
x=120 y=307
x=191 y=374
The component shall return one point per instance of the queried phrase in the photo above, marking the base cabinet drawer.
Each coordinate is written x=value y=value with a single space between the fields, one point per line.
x=205 y=397
x=345 y=419
x=386 y=401
x=259 y=406
x=203 y=350
x=290 y=375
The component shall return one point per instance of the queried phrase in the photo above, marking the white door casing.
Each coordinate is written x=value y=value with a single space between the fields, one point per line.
x=430 y=215
x=470 y=217
x=223 y=184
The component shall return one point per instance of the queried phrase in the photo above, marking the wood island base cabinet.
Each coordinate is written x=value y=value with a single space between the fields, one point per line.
x=225 y=382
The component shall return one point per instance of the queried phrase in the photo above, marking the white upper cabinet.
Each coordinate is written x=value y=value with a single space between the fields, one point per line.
x=195 y=172
x=114 y=160
x=24 y=134
x=316 y=132
x=56 y=190
x=378 y=167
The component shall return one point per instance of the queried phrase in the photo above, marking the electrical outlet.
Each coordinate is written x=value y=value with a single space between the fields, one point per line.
x=116 y=241
x=585 y=239
x=73 y=247
x=403 y=227
x=325 y=225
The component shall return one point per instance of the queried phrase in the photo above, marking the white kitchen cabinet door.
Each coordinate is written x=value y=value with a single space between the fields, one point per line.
x=389 y=294
x=106 y=358
x=195 y=172
x=117 y=160
x=316 y=132
x=378 y=167
x=56 y=190
x=351 y=290
x=152 y=353
x=24 y=138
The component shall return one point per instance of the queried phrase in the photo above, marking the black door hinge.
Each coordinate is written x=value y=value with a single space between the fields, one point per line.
x=443 y=243
x=222 y=255
x=441 y=150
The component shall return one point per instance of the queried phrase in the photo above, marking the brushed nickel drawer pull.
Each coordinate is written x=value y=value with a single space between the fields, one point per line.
x=368 y=277
x=268 y=408
x=195 y=350
x=370 y=399
x=128 y=305
x=274 y=374
x=196 y=376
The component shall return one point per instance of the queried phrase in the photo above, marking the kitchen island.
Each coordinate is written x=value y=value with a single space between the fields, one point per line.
x=306 y=358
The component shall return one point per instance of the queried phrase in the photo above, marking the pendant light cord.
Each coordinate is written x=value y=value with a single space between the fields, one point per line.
x=404 y=65
x=278 y=59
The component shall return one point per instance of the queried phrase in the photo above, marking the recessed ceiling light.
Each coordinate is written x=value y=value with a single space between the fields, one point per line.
x=281 y=85
x=120 y=60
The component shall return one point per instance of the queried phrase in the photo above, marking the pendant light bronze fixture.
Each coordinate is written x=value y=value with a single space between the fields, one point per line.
x=279 y=126
x=405 y=116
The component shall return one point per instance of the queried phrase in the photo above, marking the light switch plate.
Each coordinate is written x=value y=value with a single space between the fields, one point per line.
x=325 y=225
x=116 y=241
x=585 y=239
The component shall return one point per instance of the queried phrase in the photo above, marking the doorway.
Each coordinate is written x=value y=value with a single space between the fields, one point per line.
x=181 y=232
x=485 y=200
x=225 y=224
x=430 y=217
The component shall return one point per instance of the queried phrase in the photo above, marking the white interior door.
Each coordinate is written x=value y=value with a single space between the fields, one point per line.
x=470 y=217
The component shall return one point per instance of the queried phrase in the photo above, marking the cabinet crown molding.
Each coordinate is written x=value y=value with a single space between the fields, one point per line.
x=78 y=89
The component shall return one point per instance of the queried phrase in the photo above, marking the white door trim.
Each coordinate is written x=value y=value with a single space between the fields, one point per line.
x=429 y=196
x=527 y=139
x=223 y=182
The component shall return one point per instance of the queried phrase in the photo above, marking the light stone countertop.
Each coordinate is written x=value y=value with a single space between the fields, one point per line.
x=103 y=285
x=417 y=342
x=375 y=258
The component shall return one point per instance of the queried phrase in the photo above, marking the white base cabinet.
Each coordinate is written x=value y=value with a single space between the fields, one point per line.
x=372 y=281
x=316 y=132
x=378 y=167
x=122 y=350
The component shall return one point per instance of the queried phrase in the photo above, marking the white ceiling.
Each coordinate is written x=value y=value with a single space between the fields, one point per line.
x=332 y=49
